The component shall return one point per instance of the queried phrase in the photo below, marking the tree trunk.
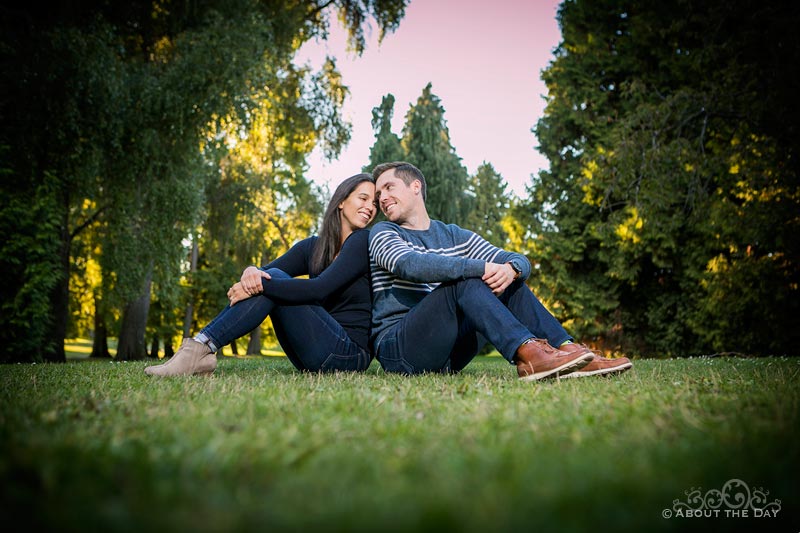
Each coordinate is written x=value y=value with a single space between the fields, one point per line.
x=168 y=351
x=154 y=347
x=234 y=347
x=254 y=346
x=54 y=341
x=100 y=341
x=134 y=319
x=187 y=320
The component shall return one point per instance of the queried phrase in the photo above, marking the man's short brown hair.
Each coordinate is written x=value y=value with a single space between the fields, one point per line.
x=405 y=171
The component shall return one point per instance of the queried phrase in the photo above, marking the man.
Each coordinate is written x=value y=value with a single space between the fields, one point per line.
x=436 y=286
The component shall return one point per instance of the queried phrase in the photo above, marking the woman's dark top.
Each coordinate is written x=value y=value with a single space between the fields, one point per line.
x=342 y=289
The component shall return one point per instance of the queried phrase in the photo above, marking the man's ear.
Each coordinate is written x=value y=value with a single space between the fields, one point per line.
x=417 y=186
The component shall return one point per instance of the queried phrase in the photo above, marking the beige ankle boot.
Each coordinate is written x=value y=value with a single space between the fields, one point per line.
x=191 y=358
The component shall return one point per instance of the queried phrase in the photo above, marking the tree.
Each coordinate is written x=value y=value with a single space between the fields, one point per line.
x=387 y=145
x=672 y=142
x=489 y=203
x=426 y=141
x=60 y=119
x=261 y=203
x=105 y=107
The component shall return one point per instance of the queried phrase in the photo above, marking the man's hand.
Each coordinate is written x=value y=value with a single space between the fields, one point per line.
x=251 y=280
x=498 y=277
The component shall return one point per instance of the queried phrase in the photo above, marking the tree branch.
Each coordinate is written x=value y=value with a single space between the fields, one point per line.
x=86 y=223
x=321 y=8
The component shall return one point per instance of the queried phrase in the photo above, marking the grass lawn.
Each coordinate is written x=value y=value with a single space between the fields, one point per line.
x=98 y=445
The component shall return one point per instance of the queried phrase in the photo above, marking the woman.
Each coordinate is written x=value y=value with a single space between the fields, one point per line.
x=322 y=322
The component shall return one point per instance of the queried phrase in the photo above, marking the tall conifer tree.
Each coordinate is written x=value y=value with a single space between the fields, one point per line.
x=387 y=145
x=488 y=204
x=426 y=141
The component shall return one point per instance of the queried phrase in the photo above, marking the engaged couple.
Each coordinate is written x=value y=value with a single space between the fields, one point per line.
x=415 y=293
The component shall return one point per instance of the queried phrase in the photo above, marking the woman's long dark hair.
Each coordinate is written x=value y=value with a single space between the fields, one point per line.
x=330 y=232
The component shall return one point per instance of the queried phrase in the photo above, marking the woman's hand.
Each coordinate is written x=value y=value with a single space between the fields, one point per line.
x=251 y=280
x=237 y=293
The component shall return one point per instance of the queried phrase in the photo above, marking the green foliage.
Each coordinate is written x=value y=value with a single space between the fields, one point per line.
x=101 y=446
x=488 y=205
x=27 y=270
x=673 y=189
x=387 y=145
x=426 y=144
x=478 y=202
x=426 y=141
x=108 y=107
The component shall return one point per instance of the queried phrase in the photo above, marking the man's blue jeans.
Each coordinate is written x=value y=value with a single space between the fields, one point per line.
x=440 y=334
x=312 y=339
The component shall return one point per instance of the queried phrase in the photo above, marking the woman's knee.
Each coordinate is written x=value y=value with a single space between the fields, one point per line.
x=277 y=273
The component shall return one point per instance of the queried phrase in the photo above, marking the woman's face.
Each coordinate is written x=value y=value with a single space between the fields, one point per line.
x=358 y=209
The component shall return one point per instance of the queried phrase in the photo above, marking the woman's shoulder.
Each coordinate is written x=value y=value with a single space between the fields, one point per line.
x=359 y=237
x=305 y=245
x=308 y=241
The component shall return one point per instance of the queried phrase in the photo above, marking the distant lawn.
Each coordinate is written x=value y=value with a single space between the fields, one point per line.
x=98 y=445
x=82 y=349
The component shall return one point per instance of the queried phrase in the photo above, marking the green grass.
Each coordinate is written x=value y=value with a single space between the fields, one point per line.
x=258 y=446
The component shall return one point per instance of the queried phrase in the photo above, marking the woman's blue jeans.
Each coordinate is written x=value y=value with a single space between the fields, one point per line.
x=312 y=339
x=440 y=334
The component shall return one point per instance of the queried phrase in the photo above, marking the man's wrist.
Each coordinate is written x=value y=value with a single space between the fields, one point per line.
x=516 y=268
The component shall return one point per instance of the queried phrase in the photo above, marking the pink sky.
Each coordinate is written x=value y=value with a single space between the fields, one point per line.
x=484 y=59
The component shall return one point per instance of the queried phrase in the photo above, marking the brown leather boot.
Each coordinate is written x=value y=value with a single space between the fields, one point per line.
x=191 y=358
x=536 y=360
x=599 y=366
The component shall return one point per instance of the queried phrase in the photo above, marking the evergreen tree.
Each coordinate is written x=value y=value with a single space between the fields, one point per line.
x=426 y=141
x=673 y=185
x=489 y=203
x=387 y=145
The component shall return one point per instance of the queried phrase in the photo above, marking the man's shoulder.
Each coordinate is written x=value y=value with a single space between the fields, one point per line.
x=385 y=224
x=452 y=229
x=437 y=228
x=382 y=226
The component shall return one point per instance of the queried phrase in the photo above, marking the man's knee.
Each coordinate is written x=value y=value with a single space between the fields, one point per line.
x=472 y=285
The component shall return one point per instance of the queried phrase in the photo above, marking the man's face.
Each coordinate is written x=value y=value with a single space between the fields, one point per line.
x=396 y=199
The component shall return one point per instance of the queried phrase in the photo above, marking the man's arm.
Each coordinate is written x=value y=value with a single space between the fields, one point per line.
x=388 y=249
x=477 y=247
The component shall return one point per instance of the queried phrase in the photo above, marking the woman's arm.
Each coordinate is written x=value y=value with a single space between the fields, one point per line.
x=294 y=262
x=351 y=263
x=237 y=293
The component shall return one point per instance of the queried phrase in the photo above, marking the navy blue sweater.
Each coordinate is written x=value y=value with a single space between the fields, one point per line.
x=342 y=289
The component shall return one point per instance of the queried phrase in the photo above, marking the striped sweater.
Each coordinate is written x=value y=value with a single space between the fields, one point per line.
x=407 y=264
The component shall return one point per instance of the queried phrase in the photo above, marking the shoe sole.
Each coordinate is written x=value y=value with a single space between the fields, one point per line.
x=603 y=372
x=562 y=370
x=182 y=374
